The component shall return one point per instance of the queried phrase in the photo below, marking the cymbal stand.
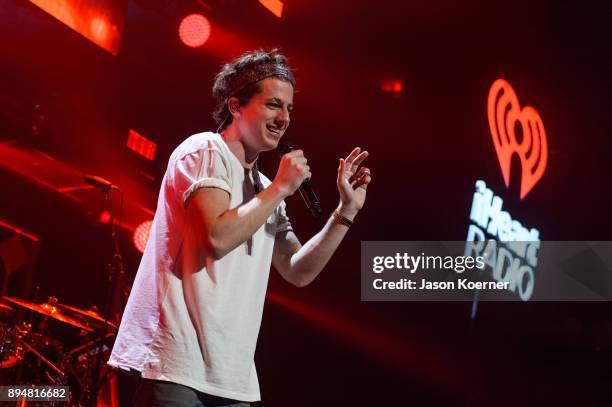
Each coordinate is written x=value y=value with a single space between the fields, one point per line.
x=116 y=277
x=43 y=359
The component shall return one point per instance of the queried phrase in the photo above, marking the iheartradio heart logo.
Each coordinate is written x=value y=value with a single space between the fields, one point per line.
x=505 y=118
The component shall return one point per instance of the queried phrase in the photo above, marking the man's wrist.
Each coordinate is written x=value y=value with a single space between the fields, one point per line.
x=341 y=220
x=277 y=191
x=347 y=212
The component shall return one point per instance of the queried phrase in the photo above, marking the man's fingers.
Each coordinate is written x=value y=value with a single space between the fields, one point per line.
x=349 y=159
x=340 y=170
x=360 y=174
x=358 y=160
x=363 y=182
x=299 y=160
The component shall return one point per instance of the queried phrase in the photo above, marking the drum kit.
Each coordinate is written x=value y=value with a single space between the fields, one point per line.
x=30 y=354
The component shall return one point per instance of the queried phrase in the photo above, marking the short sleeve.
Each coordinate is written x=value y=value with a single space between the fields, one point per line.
x=282 y=220
x=204 y=168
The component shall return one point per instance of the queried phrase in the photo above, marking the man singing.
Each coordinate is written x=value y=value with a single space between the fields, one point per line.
x=191 y=323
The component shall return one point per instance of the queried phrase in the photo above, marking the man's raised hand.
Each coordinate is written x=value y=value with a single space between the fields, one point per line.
x=353 y=182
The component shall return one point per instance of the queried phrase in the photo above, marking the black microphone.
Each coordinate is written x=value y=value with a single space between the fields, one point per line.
x=306 y=191
x=99 y=182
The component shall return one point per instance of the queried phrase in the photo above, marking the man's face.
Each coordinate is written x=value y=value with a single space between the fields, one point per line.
x=265 y=118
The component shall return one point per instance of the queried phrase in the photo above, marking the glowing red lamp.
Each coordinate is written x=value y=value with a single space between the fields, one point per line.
x=141 y=235
x=393 y=87
x=105 y=217
x=141 y=145
x=194 y=30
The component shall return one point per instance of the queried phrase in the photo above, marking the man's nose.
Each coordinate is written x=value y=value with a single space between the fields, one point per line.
x=282 y=118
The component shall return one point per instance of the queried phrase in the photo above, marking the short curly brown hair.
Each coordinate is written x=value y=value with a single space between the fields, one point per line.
x=241 y=79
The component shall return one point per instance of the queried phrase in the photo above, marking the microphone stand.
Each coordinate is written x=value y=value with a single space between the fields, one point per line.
x=116 y=277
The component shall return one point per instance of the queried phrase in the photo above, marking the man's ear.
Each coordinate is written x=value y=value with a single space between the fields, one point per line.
x=233 y=104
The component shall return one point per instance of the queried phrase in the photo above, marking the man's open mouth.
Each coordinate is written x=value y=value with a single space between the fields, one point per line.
x=274 y=130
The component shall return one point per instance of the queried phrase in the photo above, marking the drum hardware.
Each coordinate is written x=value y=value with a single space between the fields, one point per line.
x=117 y=294
x=81 y=364
x=49 y=309
x=90 y=313
x=30 y=356
x=43 y=359
x=27 y=355
x=10 y=354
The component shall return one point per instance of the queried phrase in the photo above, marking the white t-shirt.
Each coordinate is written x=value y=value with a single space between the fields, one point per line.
x=191 y=319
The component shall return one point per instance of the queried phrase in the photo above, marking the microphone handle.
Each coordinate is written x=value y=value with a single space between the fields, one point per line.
x=306 y=191
x=310 y=198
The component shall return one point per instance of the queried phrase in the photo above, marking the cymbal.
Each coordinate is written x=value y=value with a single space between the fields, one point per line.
x=91 y=313
x=49 y=310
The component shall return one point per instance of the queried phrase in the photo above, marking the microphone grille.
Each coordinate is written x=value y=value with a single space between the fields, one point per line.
x=285 y=147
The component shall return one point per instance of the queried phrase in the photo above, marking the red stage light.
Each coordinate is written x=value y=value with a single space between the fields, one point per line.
x=275 y=6
x=393 y=86
x=194 y=30
x=99 y=29
x=105 y=217
x=141 y=145
x=101 y=21
x=141 y=235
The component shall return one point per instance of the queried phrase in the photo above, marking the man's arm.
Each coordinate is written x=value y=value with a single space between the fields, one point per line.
x=299 y=264
x=222 y=229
